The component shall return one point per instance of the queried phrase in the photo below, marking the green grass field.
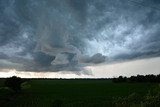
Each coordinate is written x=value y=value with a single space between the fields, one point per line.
x=71 y=93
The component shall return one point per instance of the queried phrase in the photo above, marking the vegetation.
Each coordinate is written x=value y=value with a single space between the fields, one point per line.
x=14 y=83
x=139 y=78
x=81 y=93
x=151 y=99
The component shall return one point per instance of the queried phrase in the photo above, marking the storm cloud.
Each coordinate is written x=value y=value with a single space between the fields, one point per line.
x=67 y=35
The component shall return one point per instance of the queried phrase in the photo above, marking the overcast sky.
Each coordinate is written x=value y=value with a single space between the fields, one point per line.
x=79 y=37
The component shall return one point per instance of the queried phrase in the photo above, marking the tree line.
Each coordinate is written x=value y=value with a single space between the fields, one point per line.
x=15 y=82
x=139 y=78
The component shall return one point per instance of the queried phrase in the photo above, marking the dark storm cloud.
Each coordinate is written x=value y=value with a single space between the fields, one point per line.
x=3 y=56
x=80 y=8
x=67 y=35
x=96 y=59
x=43 y=59
x=9 y=26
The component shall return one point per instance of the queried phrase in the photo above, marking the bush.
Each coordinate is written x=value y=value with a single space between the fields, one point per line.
x=14 y=83
x=129 y=101
x=151 y=99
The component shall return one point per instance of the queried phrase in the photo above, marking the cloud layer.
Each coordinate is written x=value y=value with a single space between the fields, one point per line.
x=67 y=35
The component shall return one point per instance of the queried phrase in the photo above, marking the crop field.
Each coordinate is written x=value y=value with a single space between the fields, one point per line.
x=71 y=93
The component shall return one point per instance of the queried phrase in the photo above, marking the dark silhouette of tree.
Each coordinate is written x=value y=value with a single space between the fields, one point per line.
x=158 y=78
x=14 y=83
x=139 y=78
x=120 y=79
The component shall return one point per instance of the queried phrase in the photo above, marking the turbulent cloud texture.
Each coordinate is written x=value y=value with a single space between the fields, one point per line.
x=67 y=35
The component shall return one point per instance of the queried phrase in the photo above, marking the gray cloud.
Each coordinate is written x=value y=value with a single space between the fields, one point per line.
x=96 y=59
x=42 y=59
x=67 y=35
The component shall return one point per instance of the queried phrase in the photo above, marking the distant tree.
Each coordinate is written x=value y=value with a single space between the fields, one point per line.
x=139 y=78
x=120 y=79
x=14 y=83
x=158 y=78
x=132 y=79
x=115 y=80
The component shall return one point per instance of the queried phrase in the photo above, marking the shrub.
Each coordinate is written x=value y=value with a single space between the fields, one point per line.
x=129 y=101
x=151 y=99
x=14 y=83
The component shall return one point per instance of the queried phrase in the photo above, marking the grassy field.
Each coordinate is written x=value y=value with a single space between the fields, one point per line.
x=71 y=93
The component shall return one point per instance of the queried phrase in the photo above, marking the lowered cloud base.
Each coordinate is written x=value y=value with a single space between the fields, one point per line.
x=142 y=67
